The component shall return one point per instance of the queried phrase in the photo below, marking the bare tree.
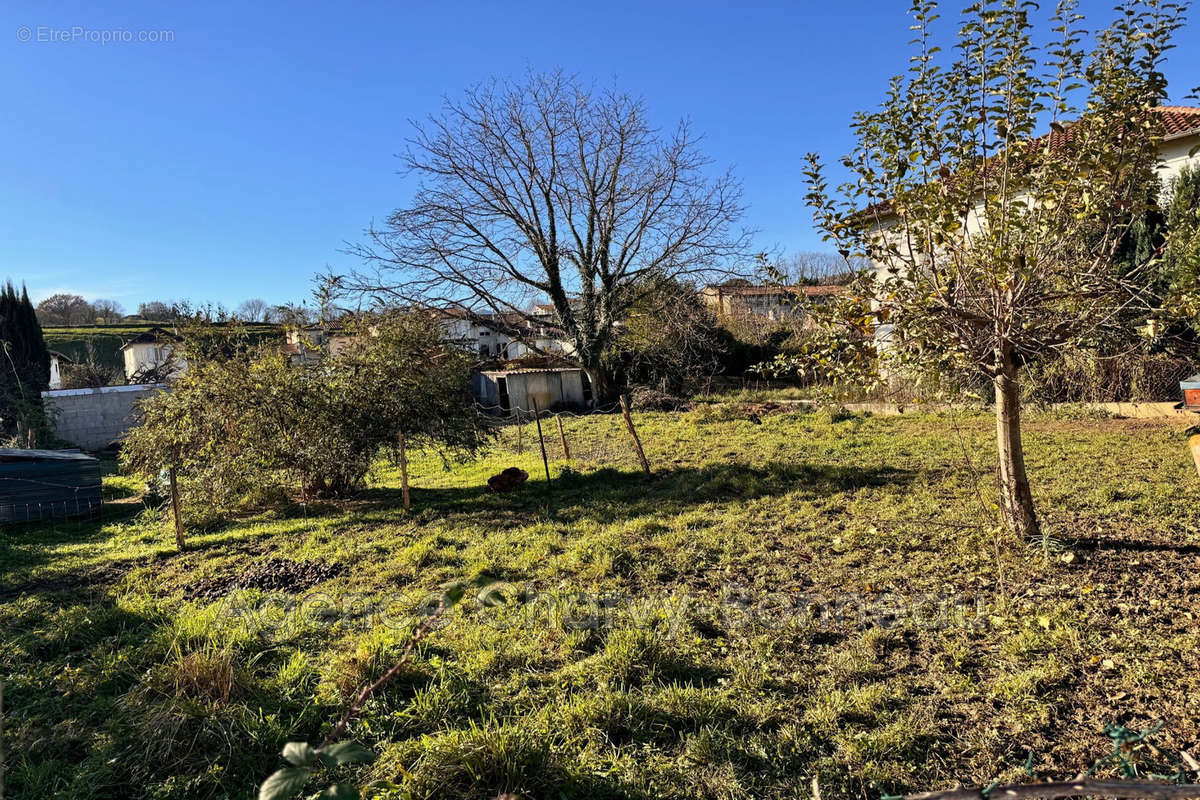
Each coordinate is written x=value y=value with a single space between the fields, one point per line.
x=814 y=268
x=64 y=309
x=89 y=373
x=544 y=189
x=107 y=311
x=253 y=310
x=158 y=311
x=295 y=315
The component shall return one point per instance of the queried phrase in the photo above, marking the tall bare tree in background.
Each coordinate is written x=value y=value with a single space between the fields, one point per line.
x=253 y=310
x=107 y=311
x=545 y=190
x=815 y=268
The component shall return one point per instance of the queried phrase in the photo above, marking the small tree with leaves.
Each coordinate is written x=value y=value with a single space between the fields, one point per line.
x=994 y=245
x=1181 y=252
x=244 y=418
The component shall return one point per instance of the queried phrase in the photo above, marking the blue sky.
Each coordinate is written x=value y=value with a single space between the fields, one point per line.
x=235 y=160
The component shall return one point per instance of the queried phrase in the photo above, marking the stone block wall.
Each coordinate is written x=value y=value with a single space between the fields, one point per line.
x=92 y=419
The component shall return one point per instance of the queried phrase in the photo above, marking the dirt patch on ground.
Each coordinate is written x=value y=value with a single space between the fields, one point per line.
x=92 y=579
x=272 y=575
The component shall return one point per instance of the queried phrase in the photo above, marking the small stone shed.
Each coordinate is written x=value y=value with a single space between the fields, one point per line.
x=47 y=484
x=505 y=392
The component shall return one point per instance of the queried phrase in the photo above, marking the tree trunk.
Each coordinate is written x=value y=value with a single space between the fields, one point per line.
x=605 y=389
x=1016 y=501
x=175 y=510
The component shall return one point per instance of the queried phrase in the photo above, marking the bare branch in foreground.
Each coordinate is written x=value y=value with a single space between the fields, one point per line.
x=1081 y=787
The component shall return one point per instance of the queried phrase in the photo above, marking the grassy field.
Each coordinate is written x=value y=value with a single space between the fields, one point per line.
x=791 y=595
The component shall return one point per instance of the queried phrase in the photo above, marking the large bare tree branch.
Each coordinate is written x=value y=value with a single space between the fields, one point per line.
x=544 y=189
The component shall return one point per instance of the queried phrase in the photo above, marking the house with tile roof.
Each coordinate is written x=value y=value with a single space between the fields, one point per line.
x=1178 y=147
x=1181 y=138
x=774 y=303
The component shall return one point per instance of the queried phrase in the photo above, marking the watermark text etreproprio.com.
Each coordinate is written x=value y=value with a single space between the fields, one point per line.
x=738 y=609
x=42 y=34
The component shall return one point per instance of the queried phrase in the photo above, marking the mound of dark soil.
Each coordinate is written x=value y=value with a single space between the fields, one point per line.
x=507 y=480
x=271 y=575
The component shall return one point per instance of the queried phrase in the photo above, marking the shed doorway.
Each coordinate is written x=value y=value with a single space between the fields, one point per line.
x=502 y=390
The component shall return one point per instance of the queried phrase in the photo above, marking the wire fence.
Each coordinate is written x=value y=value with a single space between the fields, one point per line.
x=567 y=435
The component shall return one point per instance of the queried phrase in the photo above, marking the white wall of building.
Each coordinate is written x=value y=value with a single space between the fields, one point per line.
x=143 y=356
x=55 y=373
x=485 y=342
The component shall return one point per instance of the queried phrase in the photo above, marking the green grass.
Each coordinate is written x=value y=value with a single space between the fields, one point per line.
x=696 y=679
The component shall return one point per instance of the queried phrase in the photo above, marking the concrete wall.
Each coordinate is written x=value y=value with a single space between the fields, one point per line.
x=92 y=419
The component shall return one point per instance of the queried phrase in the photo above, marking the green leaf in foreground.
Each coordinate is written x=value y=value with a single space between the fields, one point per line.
x=284 y=783
x=347 y=752
x=299 y=754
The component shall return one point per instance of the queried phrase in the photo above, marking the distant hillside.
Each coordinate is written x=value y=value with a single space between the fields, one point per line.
x=106 y=340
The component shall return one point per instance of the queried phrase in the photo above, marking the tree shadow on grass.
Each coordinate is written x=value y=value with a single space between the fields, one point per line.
x=28 y=546
x=609 y=495
x=1092 y=543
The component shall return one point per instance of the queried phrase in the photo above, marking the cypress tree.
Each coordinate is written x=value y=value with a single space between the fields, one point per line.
x=24 y=362
x=36 y=355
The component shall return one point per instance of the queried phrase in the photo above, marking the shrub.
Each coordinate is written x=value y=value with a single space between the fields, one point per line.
x=243 y=420
x=1081 y=376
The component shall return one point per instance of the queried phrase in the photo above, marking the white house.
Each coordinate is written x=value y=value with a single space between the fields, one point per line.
x=1179 y=147
x=312 y=342
x=57 y=362
x=153 y=356
x=501 y=336
x=1181 y=136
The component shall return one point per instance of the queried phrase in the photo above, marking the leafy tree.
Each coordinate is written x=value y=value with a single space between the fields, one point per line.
x=64 y=309
x=548 y=189
x=1181 y=252
x=244 y=420
x=670 y=340
x=24 y=366
x=293 y=314
x=813 y=269
x=994 y=246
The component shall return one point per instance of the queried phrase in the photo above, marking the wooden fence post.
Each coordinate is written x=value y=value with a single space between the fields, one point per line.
x=563 y=437
x=520 y=435
x=404 y=472
x=541 y=440
x=637 y=443
x=175 y=507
